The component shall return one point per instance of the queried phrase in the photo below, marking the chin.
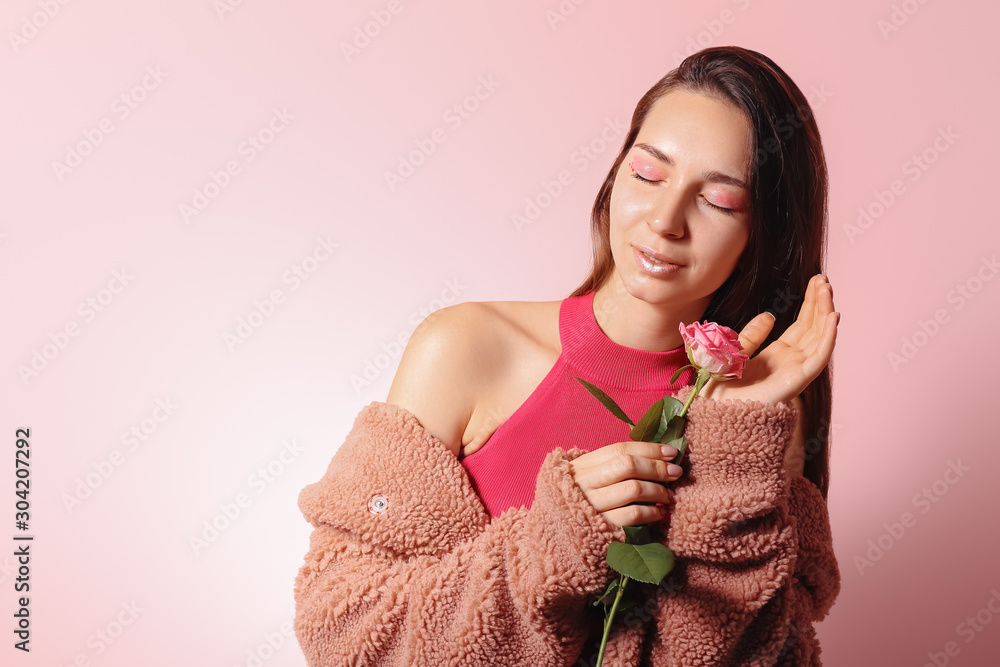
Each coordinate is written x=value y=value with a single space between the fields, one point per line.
x=648 y=289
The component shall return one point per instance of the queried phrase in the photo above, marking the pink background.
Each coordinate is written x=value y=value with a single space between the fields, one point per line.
x=444 y=234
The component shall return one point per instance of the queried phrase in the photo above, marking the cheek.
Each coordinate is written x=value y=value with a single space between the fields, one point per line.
x=736 y=241
x=737 y=246
x=726 y=249
x=619 y=204
x=613 y=208
x=625 y=205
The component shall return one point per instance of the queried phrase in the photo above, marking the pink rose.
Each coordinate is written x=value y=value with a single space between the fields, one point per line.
x=714 y=348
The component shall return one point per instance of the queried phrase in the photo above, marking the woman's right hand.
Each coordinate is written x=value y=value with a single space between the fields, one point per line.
x=618 y=478
x=783 y=369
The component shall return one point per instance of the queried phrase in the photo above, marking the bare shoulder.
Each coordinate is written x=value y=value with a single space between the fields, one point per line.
x=456 y=357
x=441 y=367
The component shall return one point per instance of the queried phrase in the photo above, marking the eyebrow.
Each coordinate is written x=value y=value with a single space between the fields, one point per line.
x=710 y=175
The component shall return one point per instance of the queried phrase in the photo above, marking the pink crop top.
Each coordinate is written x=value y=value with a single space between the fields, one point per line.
x=562 y=413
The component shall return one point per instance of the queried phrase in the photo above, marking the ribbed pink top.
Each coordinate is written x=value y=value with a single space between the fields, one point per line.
x=562 y=413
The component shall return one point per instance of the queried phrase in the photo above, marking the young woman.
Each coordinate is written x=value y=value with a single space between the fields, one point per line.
x=466 y=519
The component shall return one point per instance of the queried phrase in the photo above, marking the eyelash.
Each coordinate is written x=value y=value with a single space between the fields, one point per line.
x=727 y=211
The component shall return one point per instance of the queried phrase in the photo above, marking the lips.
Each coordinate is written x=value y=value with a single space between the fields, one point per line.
x=657 y=255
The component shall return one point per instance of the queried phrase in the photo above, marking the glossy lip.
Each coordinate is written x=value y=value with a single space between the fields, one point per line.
x=651 y=268
x=657 y=255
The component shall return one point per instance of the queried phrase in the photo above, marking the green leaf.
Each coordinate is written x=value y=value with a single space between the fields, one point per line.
x=646 y=428
x=680 y=444
x=673 y=378
x=606 y=400
x=642 y=562
x=636 y=534
x=671 y=406
x=674 y=430
x=662 y=426
x=606 y=595
x=627 y=602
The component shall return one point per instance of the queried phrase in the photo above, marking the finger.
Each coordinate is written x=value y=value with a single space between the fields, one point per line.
x=823 y=306
x=627 y=468
x=634 y=515
x=817 y=361
x=804 y=320
x=755 y=332
x=650 y=450
x=627 y=493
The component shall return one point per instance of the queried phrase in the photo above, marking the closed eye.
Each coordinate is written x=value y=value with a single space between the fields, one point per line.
x=727 y=211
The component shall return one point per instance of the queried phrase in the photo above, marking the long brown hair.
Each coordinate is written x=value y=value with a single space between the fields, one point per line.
x=788 y=211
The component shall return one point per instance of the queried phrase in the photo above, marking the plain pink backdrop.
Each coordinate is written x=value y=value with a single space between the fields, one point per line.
x=117 y=115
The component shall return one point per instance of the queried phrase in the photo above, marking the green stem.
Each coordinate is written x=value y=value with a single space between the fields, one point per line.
x=703 y=377
x=609 y=619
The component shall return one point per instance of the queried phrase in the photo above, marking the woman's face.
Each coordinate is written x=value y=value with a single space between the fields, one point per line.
x=692 y=152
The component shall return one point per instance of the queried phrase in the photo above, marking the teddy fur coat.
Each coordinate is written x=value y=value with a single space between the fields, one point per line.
x=405 y=566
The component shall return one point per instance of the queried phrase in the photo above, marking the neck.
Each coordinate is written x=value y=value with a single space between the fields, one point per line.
x=639 y=324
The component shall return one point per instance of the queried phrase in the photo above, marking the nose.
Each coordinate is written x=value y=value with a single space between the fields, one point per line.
x=668 y=217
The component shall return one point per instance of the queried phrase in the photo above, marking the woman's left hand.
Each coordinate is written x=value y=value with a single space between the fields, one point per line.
x=786 y=367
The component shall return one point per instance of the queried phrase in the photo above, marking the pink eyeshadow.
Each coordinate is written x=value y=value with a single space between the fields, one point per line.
x=646 y=170
x=726 y=200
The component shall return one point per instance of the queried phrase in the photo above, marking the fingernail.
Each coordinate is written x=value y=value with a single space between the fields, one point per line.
x=674 y=470
x=668 y=451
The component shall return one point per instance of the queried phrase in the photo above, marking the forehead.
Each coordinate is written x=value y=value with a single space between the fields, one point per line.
x=699 y=131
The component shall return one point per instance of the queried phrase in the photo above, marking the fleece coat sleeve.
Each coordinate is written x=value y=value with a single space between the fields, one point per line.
x=424 y=578
x=405 y=567
x=755 y=562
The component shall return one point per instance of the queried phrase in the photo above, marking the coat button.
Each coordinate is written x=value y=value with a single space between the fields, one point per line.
x=378 y=504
